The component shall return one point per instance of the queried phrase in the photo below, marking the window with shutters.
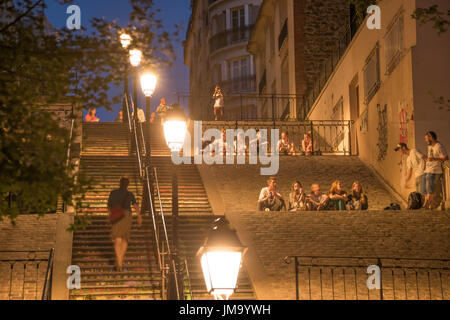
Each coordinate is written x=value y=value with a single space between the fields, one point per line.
x=372 y=74
x=394 y=43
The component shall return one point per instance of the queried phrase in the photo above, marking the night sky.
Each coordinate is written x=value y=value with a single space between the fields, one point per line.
x=173 y=12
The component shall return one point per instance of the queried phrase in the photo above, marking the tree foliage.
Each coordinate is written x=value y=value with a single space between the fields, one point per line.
x=440 y=20
x=41 y=66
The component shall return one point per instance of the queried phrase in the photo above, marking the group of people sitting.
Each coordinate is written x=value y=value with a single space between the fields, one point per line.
x=270 y=198
x=287 y=147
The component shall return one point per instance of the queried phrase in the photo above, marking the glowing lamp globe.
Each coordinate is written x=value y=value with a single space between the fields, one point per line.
x=125 y=40
x=221 y=257
x=175 y=133
x=135 y=57
x=148 y=84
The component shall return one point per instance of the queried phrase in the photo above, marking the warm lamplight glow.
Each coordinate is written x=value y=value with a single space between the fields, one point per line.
x=220 y=270
x=125 y=40
x=135 y=57
x=148 y=84
x=175 y=133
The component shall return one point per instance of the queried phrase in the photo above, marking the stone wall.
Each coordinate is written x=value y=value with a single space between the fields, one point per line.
x=317 y=33
x=31 y=233
x=273 y=236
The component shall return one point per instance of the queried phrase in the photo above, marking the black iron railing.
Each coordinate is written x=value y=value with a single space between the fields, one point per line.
x=243 y=106
x=146 y=175
x=230 y=37
x=328 y=137
x=26 y=275
x=348 y=278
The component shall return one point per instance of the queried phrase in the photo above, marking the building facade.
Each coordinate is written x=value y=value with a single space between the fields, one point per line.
x=215 y=50
x=387 y=81
x=290 y=40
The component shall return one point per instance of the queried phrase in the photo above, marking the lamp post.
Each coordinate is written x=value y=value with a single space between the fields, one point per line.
x=135 y=61
x=148 y=85
x=125 y=40
x=175 y=126
x=221 y=257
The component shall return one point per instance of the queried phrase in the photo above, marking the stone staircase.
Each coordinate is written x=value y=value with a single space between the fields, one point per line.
x=192 y=194
x=105 y=158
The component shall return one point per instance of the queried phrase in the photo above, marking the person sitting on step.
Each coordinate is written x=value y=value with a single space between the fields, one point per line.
x=357 y=199
x=270 y=198
x=307 y=144
x=338 y=197
x=297 y=198
x=317 y=200
x=284 y=146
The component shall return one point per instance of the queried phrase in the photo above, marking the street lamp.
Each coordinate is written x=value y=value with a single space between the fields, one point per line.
x=135 y=57
x=174 y=124
x=125 y=40
x=175 y=133
x=135 y=61
x=148 y=85
x=221 y=257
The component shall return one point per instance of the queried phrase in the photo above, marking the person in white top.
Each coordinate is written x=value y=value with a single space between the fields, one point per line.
x=414 y=161
x=270 y=198
x=433 y=169
x=285 y=146
x=218 y=103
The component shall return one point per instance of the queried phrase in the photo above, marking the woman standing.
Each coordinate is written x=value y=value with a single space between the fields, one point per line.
x=218 y=103
x=121 y=228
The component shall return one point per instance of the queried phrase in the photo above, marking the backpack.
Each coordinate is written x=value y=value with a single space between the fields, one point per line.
x=393 y=206
x=414 y=201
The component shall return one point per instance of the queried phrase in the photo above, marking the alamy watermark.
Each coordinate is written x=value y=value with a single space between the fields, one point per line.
x=225 y=151
x=374 y=20
x=374 y=280
x=73 y=22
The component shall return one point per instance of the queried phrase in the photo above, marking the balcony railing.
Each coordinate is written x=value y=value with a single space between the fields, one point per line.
x=230 y=37
x=238 y=85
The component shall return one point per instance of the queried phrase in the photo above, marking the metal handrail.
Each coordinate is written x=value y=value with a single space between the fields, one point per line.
x=169 y=252
x=69 y=148
x=188 y=279
x=68 y=154
x=48 y=277
x=133 y=131
x=145 y=176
